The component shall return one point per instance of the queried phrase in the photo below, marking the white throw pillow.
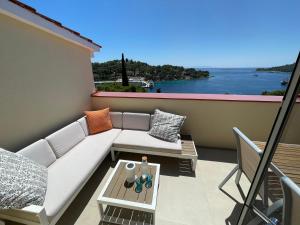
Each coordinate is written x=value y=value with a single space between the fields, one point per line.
x=166 y=126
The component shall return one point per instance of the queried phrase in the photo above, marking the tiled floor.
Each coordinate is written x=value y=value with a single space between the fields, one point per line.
x=184 y=198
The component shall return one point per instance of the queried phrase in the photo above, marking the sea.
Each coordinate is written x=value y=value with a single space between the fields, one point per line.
x=245 y=81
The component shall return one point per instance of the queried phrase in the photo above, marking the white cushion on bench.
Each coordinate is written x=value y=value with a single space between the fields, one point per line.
x=116 y=119
x=39 y=152
x=83 y=125
x=64 y=139
x=136 y=121
x=72 y=170
x=141 y=140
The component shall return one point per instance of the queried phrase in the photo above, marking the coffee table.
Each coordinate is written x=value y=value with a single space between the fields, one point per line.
x=117 y=192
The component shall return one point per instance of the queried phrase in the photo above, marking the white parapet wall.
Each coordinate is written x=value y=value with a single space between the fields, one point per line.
x=210 y=118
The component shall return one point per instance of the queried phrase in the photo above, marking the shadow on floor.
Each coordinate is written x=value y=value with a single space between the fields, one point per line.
x=218 y=155
x=232 y=219
x=168 y=166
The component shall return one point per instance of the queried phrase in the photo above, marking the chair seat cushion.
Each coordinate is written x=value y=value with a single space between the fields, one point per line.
x=141 y=140
x=72 y=170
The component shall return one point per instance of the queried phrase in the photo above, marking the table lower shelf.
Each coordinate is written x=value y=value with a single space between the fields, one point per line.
x=118 y=215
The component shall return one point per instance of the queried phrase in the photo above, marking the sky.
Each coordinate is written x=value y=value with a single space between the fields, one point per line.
x=190 y=33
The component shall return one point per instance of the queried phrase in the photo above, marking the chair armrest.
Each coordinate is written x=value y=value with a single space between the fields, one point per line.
x=277 y=171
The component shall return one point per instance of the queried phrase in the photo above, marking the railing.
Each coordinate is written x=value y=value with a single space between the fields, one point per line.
x=210 y=117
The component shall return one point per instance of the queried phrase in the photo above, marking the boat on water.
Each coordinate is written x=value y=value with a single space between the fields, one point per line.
x=140 y=82
x=133 y=81
x=284 y=82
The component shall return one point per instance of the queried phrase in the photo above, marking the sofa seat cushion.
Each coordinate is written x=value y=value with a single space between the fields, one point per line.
x=71 y=171
x=64 y=139
x=141 y=140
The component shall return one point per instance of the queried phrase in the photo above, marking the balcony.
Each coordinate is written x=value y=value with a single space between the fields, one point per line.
x=186 y=197
x=46 y=81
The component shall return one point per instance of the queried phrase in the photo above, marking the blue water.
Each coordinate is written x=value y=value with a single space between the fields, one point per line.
x=230 y=81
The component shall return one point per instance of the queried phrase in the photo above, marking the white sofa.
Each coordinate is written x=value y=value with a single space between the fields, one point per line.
x=72 y=155
x=134 y=138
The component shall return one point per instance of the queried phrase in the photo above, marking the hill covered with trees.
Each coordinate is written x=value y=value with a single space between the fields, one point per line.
x=284 y=68
x=276 y=92
x=111 y=70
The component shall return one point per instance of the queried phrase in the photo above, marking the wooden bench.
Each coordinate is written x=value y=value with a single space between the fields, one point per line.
x=188 y=151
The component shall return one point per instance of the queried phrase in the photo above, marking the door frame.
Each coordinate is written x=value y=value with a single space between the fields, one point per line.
x=278 y=127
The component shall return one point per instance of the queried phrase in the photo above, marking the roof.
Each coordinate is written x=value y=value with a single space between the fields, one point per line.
x=8 y=8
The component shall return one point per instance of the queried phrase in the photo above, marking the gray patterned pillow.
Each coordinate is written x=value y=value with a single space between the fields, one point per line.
x=166 y=126
x=23 y=182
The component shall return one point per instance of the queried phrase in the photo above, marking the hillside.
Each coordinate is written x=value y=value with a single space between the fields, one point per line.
x=284 y=68
x=111 y=70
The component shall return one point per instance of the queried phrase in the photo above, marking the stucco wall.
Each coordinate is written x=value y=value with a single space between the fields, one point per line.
x=211 y=122
x=45 y=82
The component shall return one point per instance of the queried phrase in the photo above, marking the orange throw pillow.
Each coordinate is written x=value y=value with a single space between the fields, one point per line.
x=98 y=121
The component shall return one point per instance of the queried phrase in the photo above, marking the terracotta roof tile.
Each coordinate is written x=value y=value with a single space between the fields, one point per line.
x=27 y=7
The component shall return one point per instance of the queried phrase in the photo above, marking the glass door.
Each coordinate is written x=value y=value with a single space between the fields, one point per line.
x=274 y=195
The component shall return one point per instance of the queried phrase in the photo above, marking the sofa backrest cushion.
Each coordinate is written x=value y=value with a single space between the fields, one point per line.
x=116 y=119
x=39 y=152
x=64 y=139
x=136 y=121
x=83 y=125
x=151 y=120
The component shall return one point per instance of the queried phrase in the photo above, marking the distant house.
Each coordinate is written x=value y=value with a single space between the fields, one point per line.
x=45 y=74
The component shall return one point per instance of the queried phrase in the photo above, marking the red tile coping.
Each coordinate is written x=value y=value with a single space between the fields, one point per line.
x=205 y=97
x=32 y=10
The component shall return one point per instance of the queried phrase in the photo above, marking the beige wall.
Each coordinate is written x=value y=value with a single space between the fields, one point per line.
x=211 y=122
x=45 y=82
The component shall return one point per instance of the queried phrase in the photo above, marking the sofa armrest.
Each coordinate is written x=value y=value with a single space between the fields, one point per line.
x=31 y=215
x=40 y=213
x=35 y=209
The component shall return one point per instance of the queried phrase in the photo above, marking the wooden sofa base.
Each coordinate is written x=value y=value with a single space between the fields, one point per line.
x=188 y=151
x=193 y=158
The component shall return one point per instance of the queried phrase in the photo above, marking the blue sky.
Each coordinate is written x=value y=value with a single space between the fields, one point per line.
x=191 y=33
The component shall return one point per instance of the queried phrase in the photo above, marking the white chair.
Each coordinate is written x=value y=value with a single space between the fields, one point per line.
x=291 y=202
x=248 y=157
